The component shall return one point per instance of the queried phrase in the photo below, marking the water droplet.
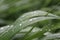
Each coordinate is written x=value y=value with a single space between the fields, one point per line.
x=30 y=20
x=2 y=28
x=47 y=33
x=20 y=24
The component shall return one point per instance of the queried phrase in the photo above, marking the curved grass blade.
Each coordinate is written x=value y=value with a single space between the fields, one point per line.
x=19 y=26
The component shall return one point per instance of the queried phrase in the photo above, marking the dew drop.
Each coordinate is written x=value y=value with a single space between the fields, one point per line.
x=47 y=33
x=30 y=20
x=20 y=24
x=2 y=28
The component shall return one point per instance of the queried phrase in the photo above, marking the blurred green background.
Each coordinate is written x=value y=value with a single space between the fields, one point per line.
x=10 y=10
